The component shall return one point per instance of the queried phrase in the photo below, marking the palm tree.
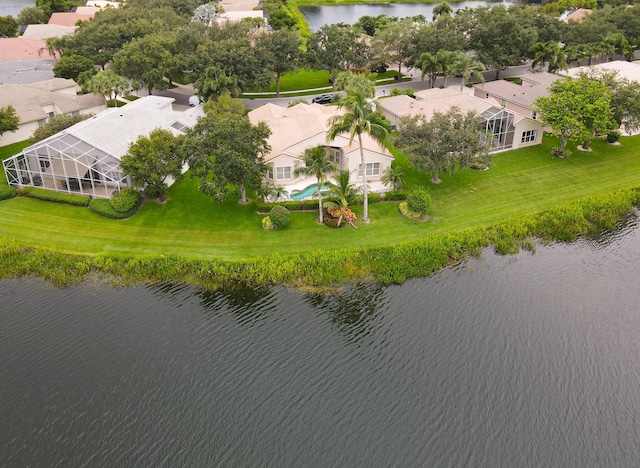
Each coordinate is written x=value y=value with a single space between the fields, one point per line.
x=215 y=82
x=468 y=66
x=430 y=67
x=447 y=61
x=548 y=52
x=393 y=177
x=444 y=9
x=343 y=192
x=360 y=117
x=317 y=163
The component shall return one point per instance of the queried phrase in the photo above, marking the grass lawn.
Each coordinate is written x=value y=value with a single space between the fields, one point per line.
x=192 y=225
x=7 y=152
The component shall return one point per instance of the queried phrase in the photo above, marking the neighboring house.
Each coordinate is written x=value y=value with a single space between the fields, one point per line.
x=85 y=158
x=624 y=69
x=508 y=129
x=70 y=18
x=304 y=126
x=576 y=15
x=235 y=16
x=43 y=31
x=20 y=48
x=35 y=103
x=515 y=97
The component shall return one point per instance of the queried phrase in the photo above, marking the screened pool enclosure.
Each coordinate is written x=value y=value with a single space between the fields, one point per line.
x=66 y=164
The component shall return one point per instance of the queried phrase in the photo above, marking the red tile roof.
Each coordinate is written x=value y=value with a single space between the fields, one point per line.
x=18 y=48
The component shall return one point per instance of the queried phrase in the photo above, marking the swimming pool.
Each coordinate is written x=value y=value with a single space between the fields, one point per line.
x=309 y=191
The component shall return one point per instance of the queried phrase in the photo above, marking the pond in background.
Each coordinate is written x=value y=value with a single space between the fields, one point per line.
x=525 y=360
x=13 y=7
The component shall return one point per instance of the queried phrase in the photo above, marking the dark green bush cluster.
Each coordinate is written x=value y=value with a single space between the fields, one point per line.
x=394 y=195
x=279 y=216
x=613 y=136
x=59 y=197
x=125 y=201
x=293 y=205
x=104 y=207
x=374 y=197
x=152 y=191
x=419 y=201
x=332 y=222
x=7 y=191
x=400 y=91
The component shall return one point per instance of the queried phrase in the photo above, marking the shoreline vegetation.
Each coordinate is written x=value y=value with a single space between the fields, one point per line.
x=527 y=196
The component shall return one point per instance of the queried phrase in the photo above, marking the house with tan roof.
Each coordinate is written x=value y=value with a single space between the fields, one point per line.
x=42 y=31
x=518 y=97
x=20 y=48
x=508 y=129
x=35 y=103
x=85 y=158
x=577 y=15
x=69 y=18
x=304 y=126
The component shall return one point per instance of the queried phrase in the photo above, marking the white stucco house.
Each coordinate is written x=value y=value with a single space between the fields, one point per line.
x=508 y=129
x=35 y=103
x=85 y=157
x=304 y=126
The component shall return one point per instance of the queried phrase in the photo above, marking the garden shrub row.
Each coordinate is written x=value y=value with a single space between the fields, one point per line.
x=104 y=208
x=395 y=195
x=59 y=197
x=7 y=191
x=310 y=205
x=389 y=264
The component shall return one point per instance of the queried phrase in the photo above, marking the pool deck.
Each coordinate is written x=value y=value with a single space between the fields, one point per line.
x=374 y=186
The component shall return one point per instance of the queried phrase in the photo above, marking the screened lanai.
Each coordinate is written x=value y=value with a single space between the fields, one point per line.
x=499 y=125
x=65 y=163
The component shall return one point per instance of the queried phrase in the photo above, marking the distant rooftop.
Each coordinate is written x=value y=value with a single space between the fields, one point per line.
x=19 y=48
x=629 y=70
x=534 y=85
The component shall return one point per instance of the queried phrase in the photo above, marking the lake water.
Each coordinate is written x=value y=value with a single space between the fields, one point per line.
x=526 y=360
x=319 y=15
x=13 y=7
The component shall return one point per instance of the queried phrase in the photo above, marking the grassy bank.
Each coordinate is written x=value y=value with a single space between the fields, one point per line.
x=225 y=243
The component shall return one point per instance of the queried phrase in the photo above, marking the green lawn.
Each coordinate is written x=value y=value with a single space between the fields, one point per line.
x=192 y=225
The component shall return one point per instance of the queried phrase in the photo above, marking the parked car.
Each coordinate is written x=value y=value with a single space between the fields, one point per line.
x=323 y=99
x=195 y=101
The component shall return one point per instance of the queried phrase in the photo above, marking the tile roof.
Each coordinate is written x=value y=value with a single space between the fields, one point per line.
x=303 y=122
x=43 y=31
x=628 y=70
x=577 y=15
x=29 y=99
x=19 y=48
x=68 y=19
x=533 y=86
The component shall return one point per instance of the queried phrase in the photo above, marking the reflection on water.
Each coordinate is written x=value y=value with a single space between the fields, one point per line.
x=526 y=360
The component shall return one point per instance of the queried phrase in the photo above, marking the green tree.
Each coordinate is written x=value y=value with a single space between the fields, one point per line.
x=55 y=46
x=144 y=60
x=32 y=15
x=152 y=159
x=467 y=67
x=8 y=26
x=70 y=66
x=318 y=163
x=393 y=176
x=359 y=117
x=356 y=83
x=446 y=142
x=447 y=61
x=54 y=6
x=215 y=83
x=282 y=48
x=392 y=43
x=224 y=148
x=56 y=124
x=429 y=66
x=576 y=108
x=109 y=84
x=9 y=120
x=550 y=53
x=444 y=9
x=336 y=47
x=282 y=19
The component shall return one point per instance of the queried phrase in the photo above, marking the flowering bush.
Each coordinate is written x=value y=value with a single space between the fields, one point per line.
x=342 y=213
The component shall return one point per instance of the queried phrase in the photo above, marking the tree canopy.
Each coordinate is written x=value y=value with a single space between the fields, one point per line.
x=9 y=120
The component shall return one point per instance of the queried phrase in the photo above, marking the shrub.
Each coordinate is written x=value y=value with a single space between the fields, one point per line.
x=374 y=197
x=152 y=191
x=56 y=124
x=394 y=195
x=566 y=154
x=419 y=201
x=333 y=222
x=399 y=92
x=103 y=207
x=59 y=197
x=279 y=216
x=7 y=191
x=267 y=224
x=613 y=136
x=125 y=201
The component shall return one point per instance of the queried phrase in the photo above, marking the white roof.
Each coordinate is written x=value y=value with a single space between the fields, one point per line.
x=43 y=31
x=629 y=70
x=114 y=129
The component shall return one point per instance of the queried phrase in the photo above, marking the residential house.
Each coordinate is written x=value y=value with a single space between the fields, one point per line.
x=518 y=97
x=35 y=103
x=508 y=129
x=304 y=126
x=624 y=69
x=42 y=31
x=20 y=48
x=577 y=15
x=85 y=158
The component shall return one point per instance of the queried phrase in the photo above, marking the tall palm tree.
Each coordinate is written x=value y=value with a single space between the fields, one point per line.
x=215 y=82
x=318 y=164
x=360 y=117
x=447 y=60
x=430 y=67
x=468 y=66
x=548 y=52
x=444 y=9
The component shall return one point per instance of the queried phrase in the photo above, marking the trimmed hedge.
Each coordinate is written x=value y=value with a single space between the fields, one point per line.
x=104 y=208
x=419 y=201
x=293 y=205
x=125 y=201
x=58 y=197
x=7 y=191
x=394 y=195
x=279 y=216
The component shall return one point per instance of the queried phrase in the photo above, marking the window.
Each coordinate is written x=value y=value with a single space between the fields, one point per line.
x=42 y=123
x=51 y=114
x=528 y=136
x=283 y=172
x=74 y=113
x=44 y=164
x=503 y=102
x=534 y=115
x=334 y=155
x=371 y=168
x=270 y=172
